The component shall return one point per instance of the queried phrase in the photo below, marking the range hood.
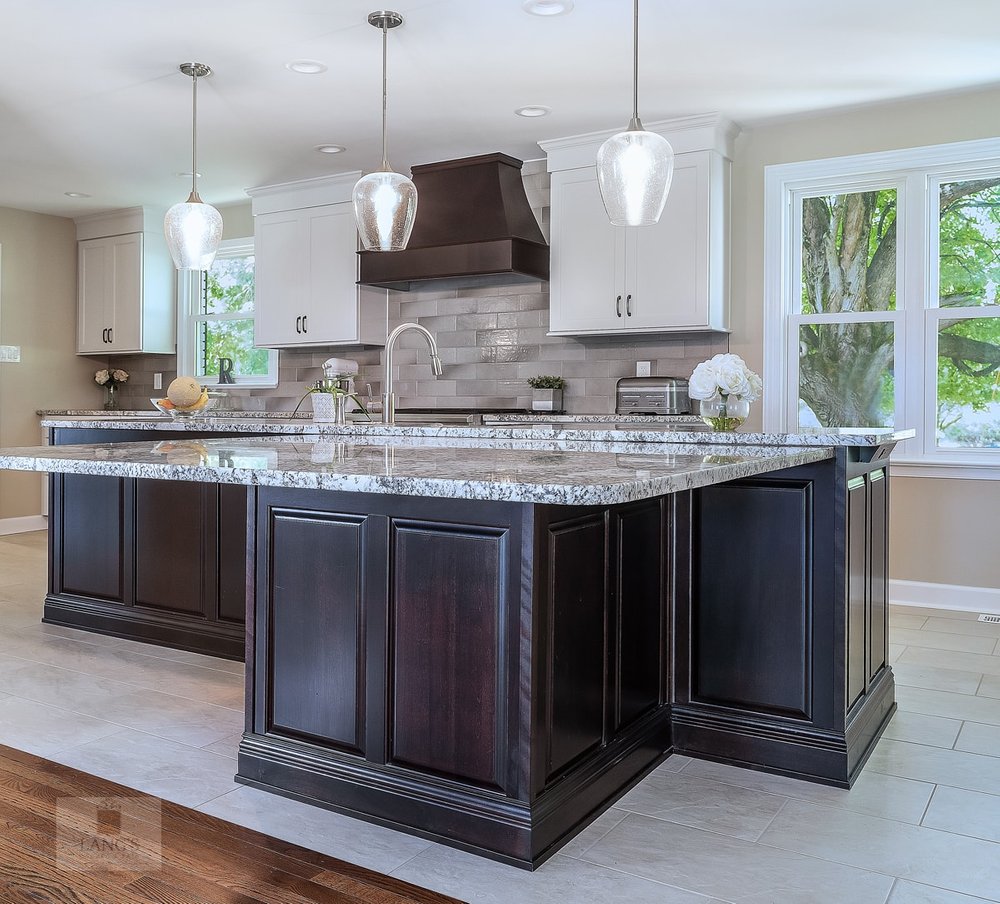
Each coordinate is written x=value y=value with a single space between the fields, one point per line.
x=474 y=227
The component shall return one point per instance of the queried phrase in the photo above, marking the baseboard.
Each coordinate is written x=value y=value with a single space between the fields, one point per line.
x=945 y=596
x=23 y=525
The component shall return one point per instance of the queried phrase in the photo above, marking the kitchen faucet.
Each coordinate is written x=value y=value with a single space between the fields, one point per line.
x=389 y=397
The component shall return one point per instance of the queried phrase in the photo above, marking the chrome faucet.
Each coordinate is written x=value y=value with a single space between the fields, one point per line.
x=389 y=397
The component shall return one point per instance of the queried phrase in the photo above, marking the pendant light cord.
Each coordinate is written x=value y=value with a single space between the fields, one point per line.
x=635 y=124
x=194 y=133
x=385 y=153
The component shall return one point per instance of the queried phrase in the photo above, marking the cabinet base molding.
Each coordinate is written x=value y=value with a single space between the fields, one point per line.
x=518 y=832
x=957 y=597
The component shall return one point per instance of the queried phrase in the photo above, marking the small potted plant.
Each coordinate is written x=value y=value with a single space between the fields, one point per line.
x=547 y=393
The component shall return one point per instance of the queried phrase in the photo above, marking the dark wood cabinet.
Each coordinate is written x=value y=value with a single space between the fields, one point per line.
x=151 y=560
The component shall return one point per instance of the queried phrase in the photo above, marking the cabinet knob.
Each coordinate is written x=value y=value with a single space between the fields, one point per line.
x=618 y=306
x=628 y=305
x=298 y=324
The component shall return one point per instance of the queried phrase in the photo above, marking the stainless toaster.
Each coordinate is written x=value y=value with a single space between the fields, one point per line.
x=652 y=395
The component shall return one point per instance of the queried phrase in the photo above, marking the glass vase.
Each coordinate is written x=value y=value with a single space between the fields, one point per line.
x=112 y=403
x=724 y=412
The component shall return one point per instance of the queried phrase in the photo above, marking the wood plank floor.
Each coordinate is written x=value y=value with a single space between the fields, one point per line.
x=73 y=838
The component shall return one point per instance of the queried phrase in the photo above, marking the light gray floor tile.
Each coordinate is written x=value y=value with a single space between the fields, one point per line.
x=956 y=863
x=904 y=620
x=989 y=686
x=362 y=843
x=962 y=626
x=943 y=703
x=921 y=729
x=229 y=745
x=954 y=768
x=45 y=730
x=975 y=737
x=704 y=804
x=753 y=873
x=594 y=832
x=906 y=892
x=949 y=659
x=931 y=612
x=895 y=651
x=965 y=813
x=962 y=643
x=933 y=678
x=561 y=880
x=873 y=793
x=195 y=682
x=154 y=765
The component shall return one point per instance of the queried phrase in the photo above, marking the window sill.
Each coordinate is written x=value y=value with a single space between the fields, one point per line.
x=945 y=469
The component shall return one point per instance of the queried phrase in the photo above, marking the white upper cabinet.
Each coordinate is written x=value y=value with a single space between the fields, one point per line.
x=305 y=245
x=125 y=285
x=670 y=277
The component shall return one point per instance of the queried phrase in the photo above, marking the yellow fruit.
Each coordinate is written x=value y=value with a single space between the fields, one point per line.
x=184 y=392
x=201 y=403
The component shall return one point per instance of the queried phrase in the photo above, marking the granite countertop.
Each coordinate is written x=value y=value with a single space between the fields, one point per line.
x=548 y=429
x=563 y=472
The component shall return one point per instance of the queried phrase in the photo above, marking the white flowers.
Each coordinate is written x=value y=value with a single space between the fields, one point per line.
x=103 y=377
x=724 y=375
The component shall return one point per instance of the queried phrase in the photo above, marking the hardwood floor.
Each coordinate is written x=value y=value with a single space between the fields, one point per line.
x=66 y=836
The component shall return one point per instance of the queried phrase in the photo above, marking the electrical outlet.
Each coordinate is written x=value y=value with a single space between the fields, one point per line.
x=642 y=368
x=157 y=381
x=10 y=353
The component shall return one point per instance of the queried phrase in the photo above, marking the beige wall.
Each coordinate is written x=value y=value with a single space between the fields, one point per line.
x=237 y=220
x=922 y=508
x=38 y=313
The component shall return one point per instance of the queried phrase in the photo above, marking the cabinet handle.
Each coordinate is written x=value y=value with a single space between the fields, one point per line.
x=104 y=335
x=111 y=334
x=628 y=305
x=298 y=324
x=618 y=306
x=305 y=323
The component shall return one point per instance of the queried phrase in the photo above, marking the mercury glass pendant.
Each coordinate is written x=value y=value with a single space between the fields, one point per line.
x=193 y=229
x=635 y=167
x=385 y=203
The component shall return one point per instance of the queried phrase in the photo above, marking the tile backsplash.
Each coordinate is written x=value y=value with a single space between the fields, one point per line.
x=490 y=339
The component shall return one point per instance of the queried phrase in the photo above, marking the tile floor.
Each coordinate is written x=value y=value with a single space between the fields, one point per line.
x=921 y=825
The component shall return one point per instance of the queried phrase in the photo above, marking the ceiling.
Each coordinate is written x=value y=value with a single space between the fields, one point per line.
x=91 y=100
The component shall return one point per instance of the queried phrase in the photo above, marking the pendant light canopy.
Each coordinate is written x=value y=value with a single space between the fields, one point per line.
x=193 y=229
x=634 y=167
x=385 y=203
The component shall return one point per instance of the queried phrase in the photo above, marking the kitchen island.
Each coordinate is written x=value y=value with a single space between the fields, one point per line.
x=486 y=637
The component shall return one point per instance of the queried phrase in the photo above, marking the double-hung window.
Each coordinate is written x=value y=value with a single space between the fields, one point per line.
x=883 y=300
x=216 y=320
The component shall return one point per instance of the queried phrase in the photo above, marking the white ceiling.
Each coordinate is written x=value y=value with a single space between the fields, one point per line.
x=91 y=100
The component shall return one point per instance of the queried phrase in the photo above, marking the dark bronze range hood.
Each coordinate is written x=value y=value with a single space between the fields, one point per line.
x=474 y=227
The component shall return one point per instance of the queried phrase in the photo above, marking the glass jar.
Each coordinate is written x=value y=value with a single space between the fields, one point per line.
x=724 y=413
x=112 y=403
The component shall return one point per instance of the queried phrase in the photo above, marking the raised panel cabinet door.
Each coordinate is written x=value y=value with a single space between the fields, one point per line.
x=126 y=265
x=449 y=612
x=95 y=309
x=858 y=576
x=587 y=288
x=878 y=559
x=281 y=287
x=315 y=626
x=91 y=541
x=667 y=283
x=333 y=264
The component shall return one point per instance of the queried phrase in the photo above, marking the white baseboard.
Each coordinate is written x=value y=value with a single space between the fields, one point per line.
x=23 y=525
x=945 y=596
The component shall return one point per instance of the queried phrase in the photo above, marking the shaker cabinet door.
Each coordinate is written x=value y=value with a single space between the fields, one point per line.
x=282 y=288
x=333 y=263
x=95 y=309
x=126 y=287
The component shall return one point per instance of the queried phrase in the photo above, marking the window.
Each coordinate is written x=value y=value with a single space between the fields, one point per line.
x=216 y=320
x=883 y=298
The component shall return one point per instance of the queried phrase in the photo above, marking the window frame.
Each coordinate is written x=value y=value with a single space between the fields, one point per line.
x=916 y=173
x=189 y=288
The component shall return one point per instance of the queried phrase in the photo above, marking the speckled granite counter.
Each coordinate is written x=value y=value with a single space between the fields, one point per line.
x=565 y=472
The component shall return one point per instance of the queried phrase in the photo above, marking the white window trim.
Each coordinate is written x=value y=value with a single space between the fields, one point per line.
x=188 y=288
x=914 y=171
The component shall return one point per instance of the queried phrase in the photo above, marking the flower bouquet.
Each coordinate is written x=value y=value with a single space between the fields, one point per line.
x=725 y=387
x=111 y=379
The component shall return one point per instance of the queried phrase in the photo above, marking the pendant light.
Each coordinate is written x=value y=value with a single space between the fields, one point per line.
x=385 y=203
x=193 y=229
x=634 y=167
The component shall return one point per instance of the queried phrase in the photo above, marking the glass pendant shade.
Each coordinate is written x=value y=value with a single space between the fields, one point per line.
x=634 y=171
x=385 y=206
x=193 y=231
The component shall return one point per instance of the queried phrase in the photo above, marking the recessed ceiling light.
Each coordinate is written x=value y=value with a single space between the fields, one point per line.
x=532 y=111
x=76 y=194
x=306 y=67
x=547 y=7
x=330 y=148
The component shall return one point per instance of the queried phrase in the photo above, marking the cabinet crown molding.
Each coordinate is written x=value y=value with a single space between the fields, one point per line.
x=705 y=132
x=303 y=193
x=119 y=222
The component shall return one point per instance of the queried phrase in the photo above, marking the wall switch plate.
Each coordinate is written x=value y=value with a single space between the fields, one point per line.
x=10 y=354
x=642 y=368
x=157 y=381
